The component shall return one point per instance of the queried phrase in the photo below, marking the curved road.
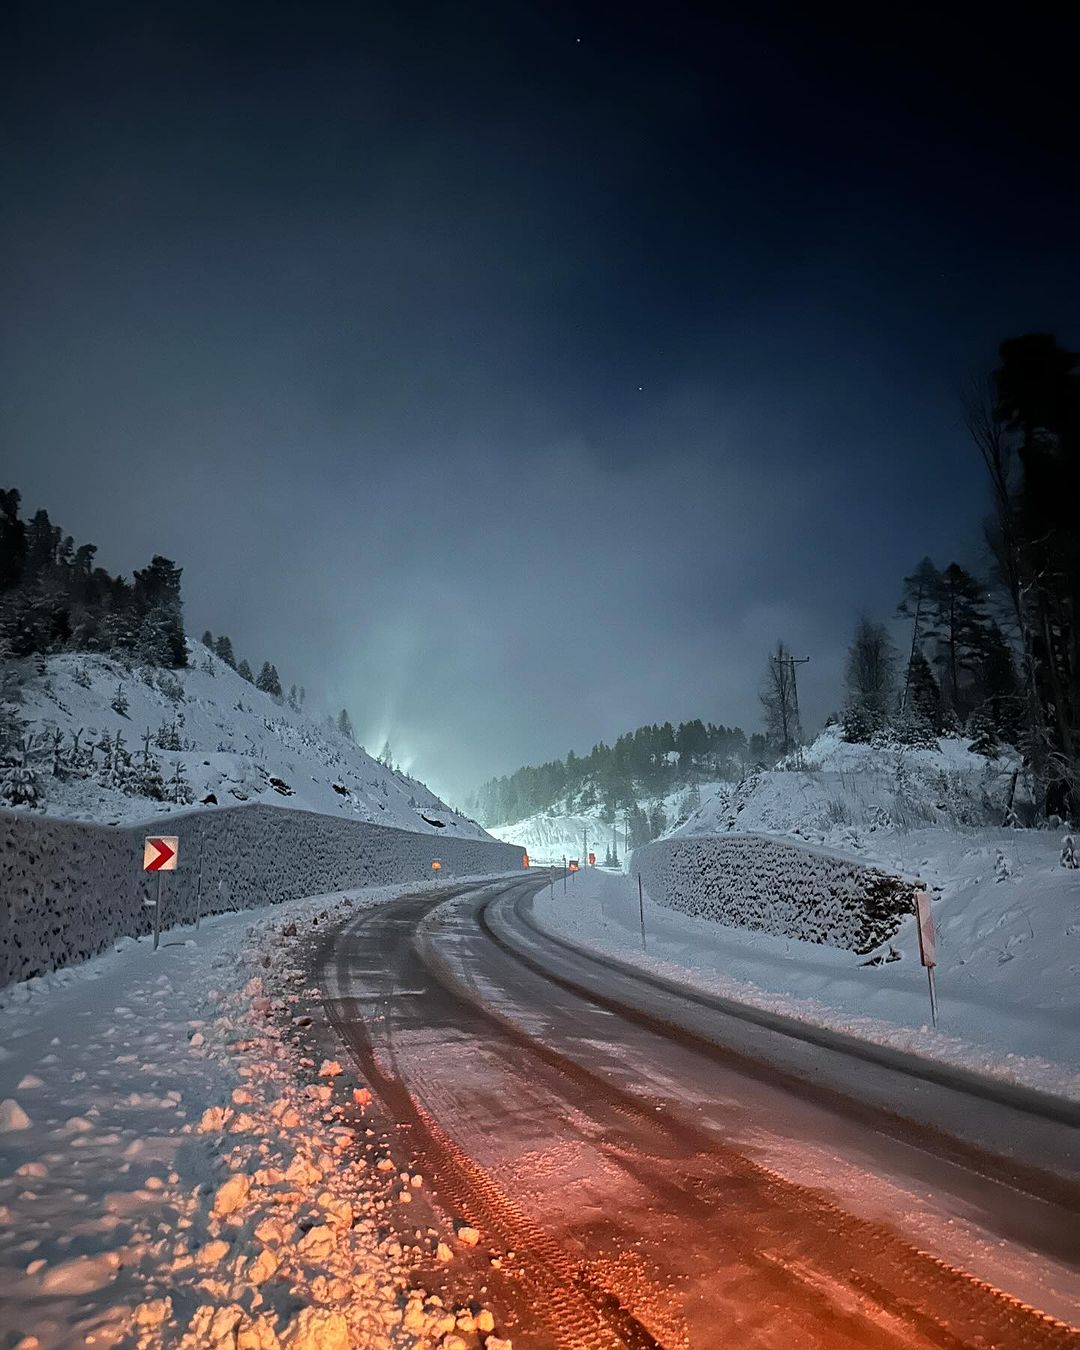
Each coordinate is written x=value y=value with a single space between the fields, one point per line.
x=669 y=1172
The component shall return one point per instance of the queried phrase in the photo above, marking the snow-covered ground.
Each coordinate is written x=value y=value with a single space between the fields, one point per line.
x=852 y=797
x=173 y=1172
x=844 y=796
x=560 y=833
x=1008 y=976
x=230 y=739
x=1007 y=911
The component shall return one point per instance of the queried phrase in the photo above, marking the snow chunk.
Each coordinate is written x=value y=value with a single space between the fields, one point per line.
x=81 y=1275
x=12 y=1116
x=232 y=1194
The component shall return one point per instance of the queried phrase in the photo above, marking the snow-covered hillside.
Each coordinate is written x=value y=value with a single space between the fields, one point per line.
x=849 y=796
x=559 y=832
x=213 y=739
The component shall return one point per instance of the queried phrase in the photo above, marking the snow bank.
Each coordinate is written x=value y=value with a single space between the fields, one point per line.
x=1008 y=962
x=772 y=886
x=70 y=889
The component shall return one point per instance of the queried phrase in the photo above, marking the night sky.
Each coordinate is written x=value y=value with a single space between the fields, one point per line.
x=516 y=374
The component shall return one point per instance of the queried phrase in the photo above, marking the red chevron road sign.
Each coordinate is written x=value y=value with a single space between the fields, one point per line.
x=161 y=853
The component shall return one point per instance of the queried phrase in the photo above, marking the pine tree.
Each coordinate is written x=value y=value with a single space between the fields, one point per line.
x=12 y=540
x=245 y=672
x=179 y=787
x=158 y=603
x=958 y=625
x=19 y=782
x=924 y=695
x=208 y=639
x=268 y=680
x=119 y=702
x=386 y=756
x=224 y=650
x=919 y=590
x=870 y=674
x=984 y=737
x=345 y=725
x=998 y=688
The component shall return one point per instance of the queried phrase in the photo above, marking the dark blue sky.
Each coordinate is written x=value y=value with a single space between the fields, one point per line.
x=515 y=374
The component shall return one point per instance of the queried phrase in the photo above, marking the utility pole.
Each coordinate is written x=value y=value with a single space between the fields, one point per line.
x=585 y=848
x=795 y=734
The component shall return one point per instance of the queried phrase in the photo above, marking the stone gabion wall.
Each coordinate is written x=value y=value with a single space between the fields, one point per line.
x=69 y=889
x=752 y=881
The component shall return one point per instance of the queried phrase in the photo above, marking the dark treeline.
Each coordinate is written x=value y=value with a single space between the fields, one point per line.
x=995 y=658
x=648 y=762
x=53 y=597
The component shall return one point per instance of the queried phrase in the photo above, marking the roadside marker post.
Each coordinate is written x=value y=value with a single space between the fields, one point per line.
x=927 y=945
x=198 y=893
x=436 y=867
x=641 y=909
x=161 y=853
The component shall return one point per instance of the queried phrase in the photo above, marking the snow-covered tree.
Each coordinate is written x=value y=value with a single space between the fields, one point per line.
x=345 y=725
x=223 y=648
x=20 y=784
x=984 y=736
x=179 y=789
x=245 y=672
x=158 y=603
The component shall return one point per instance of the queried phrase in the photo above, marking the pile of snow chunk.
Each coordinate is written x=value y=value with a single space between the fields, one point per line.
x=193 y=1179
x=290 y=1246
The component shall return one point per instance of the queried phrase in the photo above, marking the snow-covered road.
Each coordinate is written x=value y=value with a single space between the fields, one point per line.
x=666 y=1172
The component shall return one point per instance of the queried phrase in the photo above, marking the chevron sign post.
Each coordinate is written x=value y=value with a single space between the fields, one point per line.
x=161 y=853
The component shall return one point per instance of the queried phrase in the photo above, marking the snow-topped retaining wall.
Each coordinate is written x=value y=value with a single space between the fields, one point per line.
x=753 y=881
x=69 y=889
